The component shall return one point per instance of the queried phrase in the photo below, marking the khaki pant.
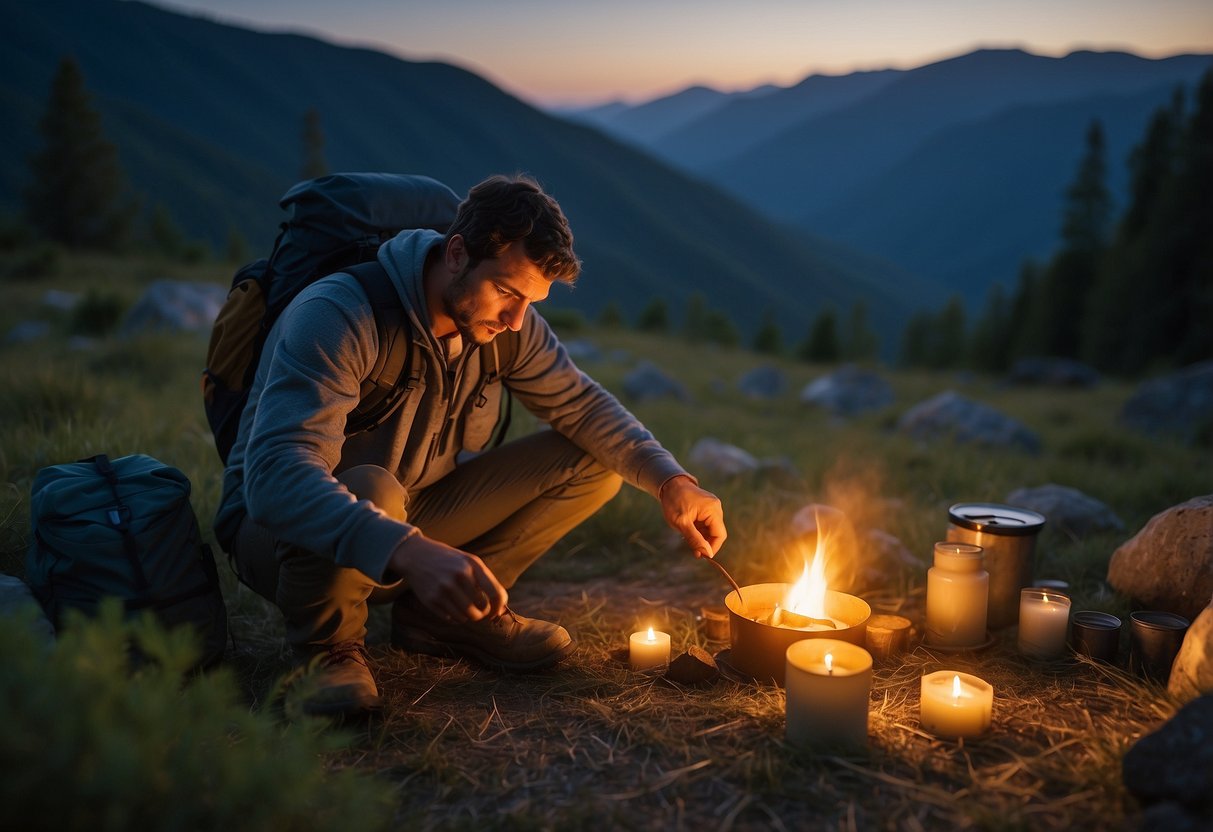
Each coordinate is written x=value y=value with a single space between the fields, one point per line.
x=508 y=506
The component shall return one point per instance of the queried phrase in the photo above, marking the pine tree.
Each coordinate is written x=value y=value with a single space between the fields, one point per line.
x=947 y=340
x=821 y=345
x=314 y=163
x=166 y=236
x=237 y=249
x=916 y=340
x=861 y=341
x=611 y=316
x=768 y=340
x=1074 y=269
x=720 y=329
x=79 y=195
x=1110 y=330
x=695 y=326
x=990 y=343
x=655 y=317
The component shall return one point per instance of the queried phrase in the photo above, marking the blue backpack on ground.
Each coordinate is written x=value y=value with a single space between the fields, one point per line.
x=124 y=529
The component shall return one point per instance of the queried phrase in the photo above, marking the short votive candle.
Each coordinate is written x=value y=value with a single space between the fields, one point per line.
x=1044 y=618
x=649 y=649
x=955 y=704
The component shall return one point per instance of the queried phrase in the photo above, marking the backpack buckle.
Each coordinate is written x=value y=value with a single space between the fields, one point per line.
x=119 y=517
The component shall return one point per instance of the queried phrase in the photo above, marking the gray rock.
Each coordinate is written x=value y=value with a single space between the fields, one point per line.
x=1192 y=673
x=582 y=350
x=175 y=306
x=848 y=391
x=647 y=382
x=714 y=458
x=16 y=599
x=1067 y=509
x=951 y=415
x=1175 y=763
x=1179 y=404
x=1170 y=817
x=1053 y=372
x=61 y=300
x=763 y=382
x=27 y=331
x=1168 y=565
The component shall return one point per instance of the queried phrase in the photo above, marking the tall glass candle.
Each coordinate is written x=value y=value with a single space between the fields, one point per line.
x=955 y=704
x=829 y=683
x=958 y=591
x=1044 y=617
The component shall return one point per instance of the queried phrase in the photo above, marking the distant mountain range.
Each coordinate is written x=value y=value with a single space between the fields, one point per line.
x=954 y=170
x=208 y=121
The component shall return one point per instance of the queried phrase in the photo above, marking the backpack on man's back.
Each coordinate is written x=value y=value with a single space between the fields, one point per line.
x=335 y=222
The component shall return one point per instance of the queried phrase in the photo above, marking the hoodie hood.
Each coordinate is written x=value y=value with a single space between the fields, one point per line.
x=404 y=257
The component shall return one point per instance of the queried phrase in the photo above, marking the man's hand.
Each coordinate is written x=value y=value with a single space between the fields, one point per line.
x=447 y=580
x=695 y=514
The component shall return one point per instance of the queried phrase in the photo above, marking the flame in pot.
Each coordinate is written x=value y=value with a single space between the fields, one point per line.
x=808 y=595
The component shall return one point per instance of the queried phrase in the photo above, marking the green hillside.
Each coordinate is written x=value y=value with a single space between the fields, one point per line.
x=208 y=118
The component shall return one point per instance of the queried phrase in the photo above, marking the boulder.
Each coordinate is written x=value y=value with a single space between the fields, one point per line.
x=1192 y=673
x=1053 y=372
x=1067 y=509
x=1179 y=404
x=1174 y=764
x=175 y=306
x=951 y=415
x=848 y=391
x=60 y=300
x=27 y=331
x=1168 y=565
x=883 y=557
x=762 y=382
x=582 y=350
x=714 y=458
x=16 y=600
x=648 y=382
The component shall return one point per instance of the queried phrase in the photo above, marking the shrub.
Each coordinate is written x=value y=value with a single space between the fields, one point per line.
x=97 y=313
x=34 y=262
x=93 y=742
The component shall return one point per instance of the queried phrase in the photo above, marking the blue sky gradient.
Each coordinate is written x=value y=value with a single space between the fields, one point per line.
x=565 y=52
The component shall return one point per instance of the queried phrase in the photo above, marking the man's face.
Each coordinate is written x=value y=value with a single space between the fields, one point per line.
x=486 y=300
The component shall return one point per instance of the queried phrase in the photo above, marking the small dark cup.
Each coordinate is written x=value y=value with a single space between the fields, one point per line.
x=1095 y=634
x=1154 y=641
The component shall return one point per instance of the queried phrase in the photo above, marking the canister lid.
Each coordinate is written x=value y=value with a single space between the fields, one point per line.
x=995 y=518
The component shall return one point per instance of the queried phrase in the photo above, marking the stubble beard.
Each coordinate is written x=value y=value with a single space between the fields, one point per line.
x=459 y=304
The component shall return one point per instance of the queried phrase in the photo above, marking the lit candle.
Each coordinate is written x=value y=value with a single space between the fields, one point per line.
x=829 y=683
x=1043 y=620
x=648 y=650
x=958 y=591
x=955 y=704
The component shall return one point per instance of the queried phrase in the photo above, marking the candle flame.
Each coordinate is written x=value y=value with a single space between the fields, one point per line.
x=1045 y=595
x=808 y=595
x=956 y=687
x=830 y=663
x=651 y=635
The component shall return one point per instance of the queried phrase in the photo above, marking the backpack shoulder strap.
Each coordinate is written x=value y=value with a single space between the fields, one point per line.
x=392 y=377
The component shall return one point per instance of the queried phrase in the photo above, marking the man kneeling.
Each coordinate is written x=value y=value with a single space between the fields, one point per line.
x=323 y=524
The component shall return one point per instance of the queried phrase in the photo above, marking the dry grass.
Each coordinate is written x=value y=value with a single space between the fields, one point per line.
x=592 y=744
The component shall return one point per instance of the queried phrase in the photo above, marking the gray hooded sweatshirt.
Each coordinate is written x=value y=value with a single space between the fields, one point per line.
x=292 y=432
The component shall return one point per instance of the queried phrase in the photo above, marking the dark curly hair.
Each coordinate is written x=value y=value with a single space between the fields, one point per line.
x=502 y=210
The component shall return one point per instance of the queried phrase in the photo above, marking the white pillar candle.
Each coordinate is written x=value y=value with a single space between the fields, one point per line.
x=1044 y=617
x=958 y=592
x=955 y=704
x=829 y=683
x=649 y=649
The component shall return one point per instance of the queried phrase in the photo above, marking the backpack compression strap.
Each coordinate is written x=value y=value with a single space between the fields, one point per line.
x=390 y=381
x=119 y=517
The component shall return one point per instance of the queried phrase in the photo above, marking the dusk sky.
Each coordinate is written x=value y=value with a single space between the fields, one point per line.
x=553 y=52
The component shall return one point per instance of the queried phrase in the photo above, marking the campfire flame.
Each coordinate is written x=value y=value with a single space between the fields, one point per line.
x=808 y=595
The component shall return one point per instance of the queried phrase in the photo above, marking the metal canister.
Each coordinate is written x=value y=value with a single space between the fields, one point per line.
x=1007 y=536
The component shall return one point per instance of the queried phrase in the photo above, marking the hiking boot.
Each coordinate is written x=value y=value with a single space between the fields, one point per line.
x=508 y=642
x=338 y=682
